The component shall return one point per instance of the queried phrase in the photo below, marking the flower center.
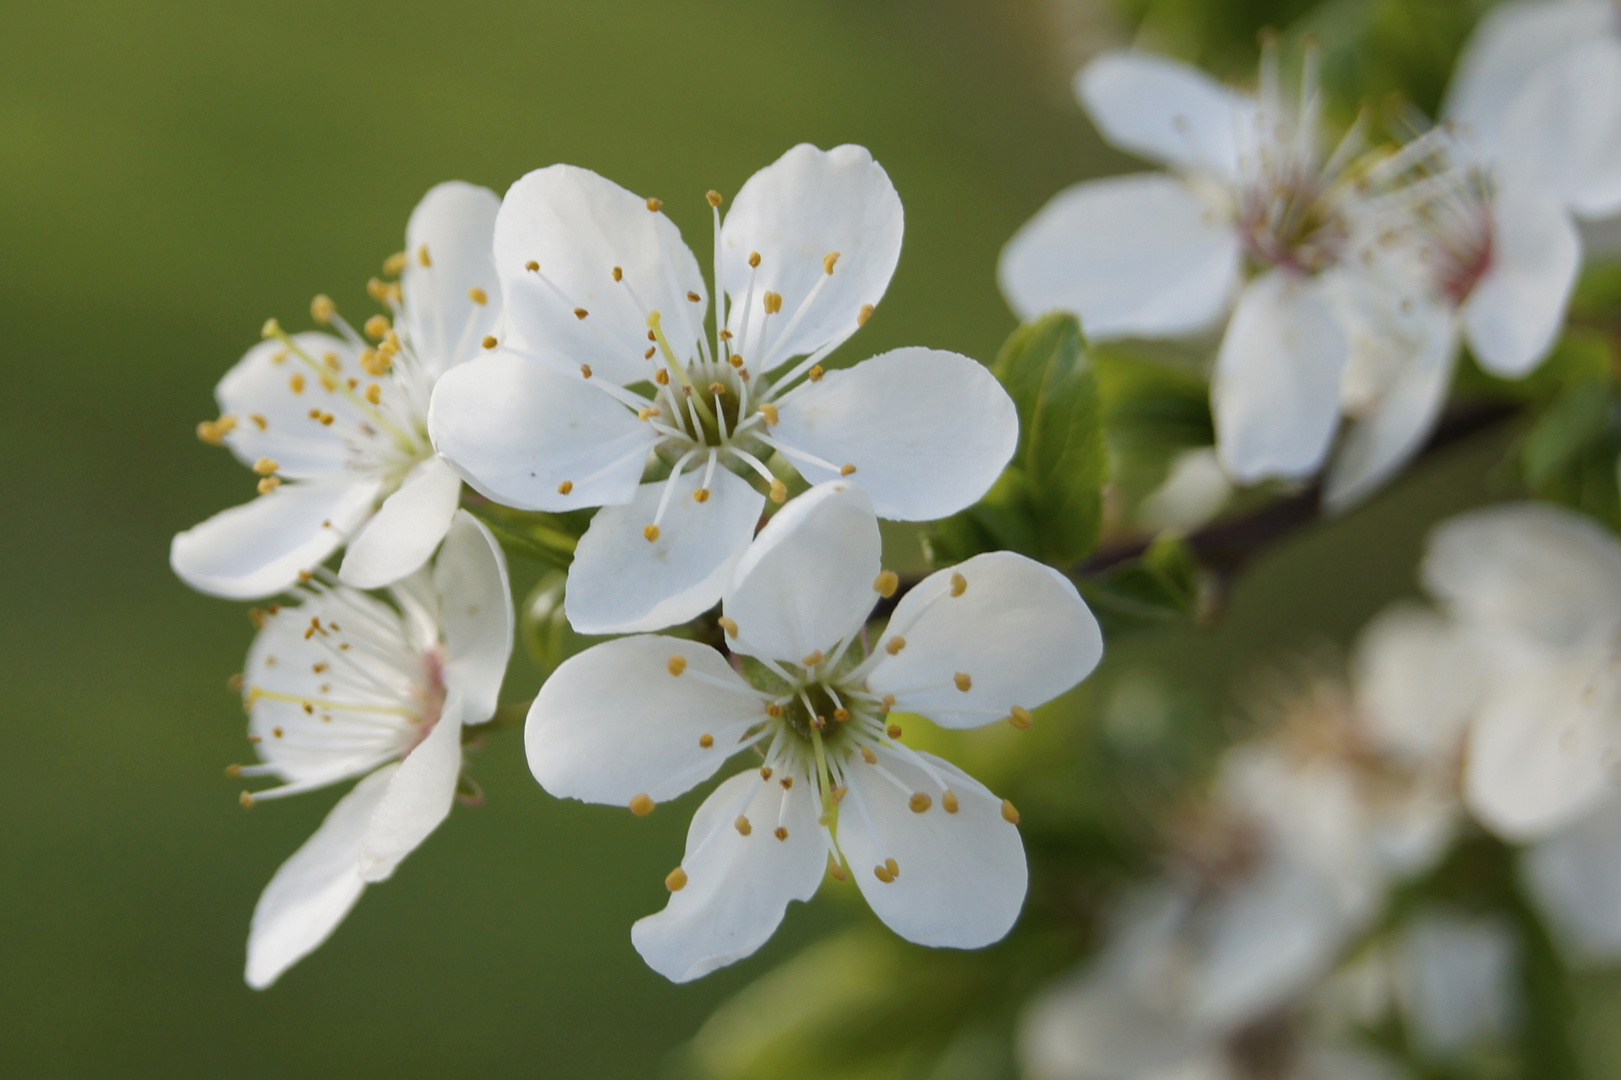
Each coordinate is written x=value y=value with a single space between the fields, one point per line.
x=1289 y=222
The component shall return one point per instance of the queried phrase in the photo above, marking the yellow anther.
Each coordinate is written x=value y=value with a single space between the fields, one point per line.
x=490 y=342
x=787 y=783
x=377 y=289
x=322 y=308
x=677 y=664
x=893 y=731
x=257 y=617
x=1020 y=717
x=478 y=296
x=742 y=825
x=866 y=313
x=694 y=297
x=277 y=732
x=725 y=334
x=210 y=432
x=265 y=466
x=886 y=583
x=235 y=682
x=296 y=384
x=648 y=355
x=728 y=625
x=619 y=273
x=268 y=484
x=882 y=874
x=815 y=374
x=893 y=867
x=736 y=360
x=280 y=357
x=233 y=770
x=651 y=532
x=326 y=419
x=919 y=802
x=580 y=313
x=713 y=196
x=585 y=371
x=1010 y=813
x=959 y=584
x=706 y=740
x=246 y=799
x=662 y=376
x=963 y=681
x=701 y=495
x=642 y=805
x=813 y=659
x=532 y=266
x=374 y=394
x=949 y=801
x=889 y=702
x=773 y=710
x=894 y=645
x=773 y=302
x=835 y=869
x=423 y=257
x=647 y=412
x=781 y=833
x=376 y=326
x=394 y=264
x=769 y=411
x=829 y=261
x=779 y=492
x=259 y=421
x=869 y=755
x=565 y=487
x=841 y=715
x=717 y=388
x=765 y=773
x=754 y=260
x=847 y=470
x=655 y=205
x=271 y=328
x=676 y=880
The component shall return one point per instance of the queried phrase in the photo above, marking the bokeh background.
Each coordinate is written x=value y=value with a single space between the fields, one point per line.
x=173 y=173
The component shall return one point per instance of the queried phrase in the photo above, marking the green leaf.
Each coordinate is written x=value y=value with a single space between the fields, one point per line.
x=1165 y=586
x=547 y=538
x=1047 y=372
x=1569 y=454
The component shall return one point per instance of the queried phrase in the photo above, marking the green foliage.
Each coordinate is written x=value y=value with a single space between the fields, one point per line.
x=1164 y=587
x=1049 y=502
x=1568 y=455
x=545 y=538
x=1156 y=406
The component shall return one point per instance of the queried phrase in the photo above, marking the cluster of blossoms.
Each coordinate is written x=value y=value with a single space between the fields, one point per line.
x=1342 y=281
x=1270 y=945
x=552 y=351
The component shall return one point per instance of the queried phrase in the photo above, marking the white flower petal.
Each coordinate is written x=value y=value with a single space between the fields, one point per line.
x=1575 y=878
x=519 y=432
x=1417 y=682
x=1516 y=311
x=476 y=615
x=622 y=583
x=1276 y=391
x=962 y=875
x=1093 y=1028
x=1166 y=111
x=315 y=888
x=1458 y=980
x=806 y=583
x=1019 y=632
x=1194 y=492
x=1510 y=45
x=331 y=743
x=1540 y=748
x=1527 y=568
x=1564 y=129
x=928 y=431
x=1139 y=255
x=455 y=224
x=273 y=385
x=580 y=227
x=257 y=549
x=418 y=798
x=403 y=533
x=805 y=206
x=614 y=722
x=737 y=887
x=1380 y=443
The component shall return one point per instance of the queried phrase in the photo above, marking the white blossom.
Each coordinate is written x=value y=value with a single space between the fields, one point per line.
x=343 y=685
x=337 y=429
x=1165 y=255
x=606 y=361
x=640 y=720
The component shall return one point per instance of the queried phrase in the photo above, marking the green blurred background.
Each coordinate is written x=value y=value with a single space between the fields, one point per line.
x=173 y=173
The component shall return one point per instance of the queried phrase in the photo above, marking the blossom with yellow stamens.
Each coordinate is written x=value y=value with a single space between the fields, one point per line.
x=339 y=428
x=344 y=685
x=935 y=853
x=606 y=363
